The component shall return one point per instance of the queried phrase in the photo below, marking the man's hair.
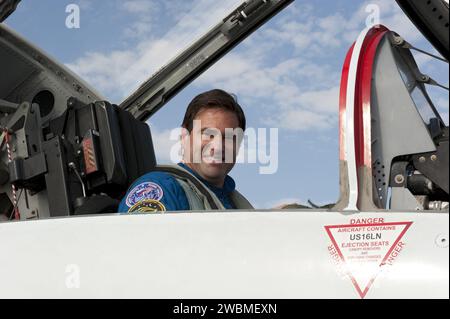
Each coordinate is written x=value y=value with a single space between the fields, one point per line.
x=210 y=100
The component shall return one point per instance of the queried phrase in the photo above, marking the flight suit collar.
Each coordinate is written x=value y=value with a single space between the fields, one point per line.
x=228 y=187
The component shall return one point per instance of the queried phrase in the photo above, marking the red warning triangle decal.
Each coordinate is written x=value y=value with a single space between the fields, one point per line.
x=363 y=249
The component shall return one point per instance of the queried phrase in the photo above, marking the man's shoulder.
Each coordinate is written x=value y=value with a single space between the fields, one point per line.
x=159 y=188
x=155 y=178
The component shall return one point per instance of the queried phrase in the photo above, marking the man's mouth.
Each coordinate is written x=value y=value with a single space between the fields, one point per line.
x=215 y=159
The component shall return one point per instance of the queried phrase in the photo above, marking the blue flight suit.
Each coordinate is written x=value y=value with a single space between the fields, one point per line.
x=160 y=191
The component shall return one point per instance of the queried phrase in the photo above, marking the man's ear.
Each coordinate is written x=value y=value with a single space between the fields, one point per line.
x=185 y=141
x=184 y=135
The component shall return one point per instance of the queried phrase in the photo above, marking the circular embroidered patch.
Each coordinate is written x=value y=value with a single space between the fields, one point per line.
x=147 y=190
x=148 y=206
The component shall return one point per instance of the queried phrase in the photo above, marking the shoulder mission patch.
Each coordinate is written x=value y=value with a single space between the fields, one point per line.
x=147 y=206
x=146 y=190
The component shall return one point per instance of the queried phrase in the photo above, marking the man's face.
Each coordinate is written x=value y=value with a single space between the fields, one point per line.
x=212 y=148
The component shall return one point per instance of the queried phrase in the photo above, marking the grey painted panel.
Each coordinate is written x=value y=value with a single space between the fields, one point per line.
x=50 y=74
x=401 y=198
x=397 y=127
x=14 y=69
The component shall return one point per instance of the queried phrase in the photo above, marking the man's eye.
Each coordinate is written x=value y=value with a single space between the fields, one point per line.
x=208 y=135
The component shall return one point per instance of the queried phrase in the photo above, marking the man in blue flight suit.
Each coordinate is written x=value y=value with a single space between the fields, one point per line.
x=210 y=153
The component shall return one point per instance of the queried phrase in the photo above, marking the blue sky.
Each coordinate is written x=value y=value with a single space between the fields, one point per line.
x=286 y=75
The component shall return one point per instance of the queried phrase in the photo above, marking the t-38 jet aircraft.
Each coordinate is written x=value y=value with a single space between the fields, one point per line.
x=68 y=156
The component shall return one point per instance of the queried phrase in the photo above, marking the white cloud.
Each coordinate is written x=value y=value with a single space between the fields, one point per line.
x=323 y=101
x=106 y=71
x=139 y=29
x=85 y=4
x=298 y=91
x=304 y=94
x=166 y=145
x=139 y=6
x=117 y=73
x=145 y=17
x=302 y=120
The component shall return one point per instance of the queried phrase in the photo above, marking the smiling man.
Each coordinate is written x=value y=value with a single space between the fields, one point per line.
x=213 y=129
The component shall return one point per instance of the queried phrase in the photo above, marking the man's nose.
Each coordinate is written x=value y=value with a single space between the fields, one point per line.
x=216 y=144
x=217 y=148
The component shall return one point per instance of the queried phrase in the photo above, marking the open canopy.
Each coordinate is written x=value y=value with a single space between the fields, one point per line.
x=7 y=7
